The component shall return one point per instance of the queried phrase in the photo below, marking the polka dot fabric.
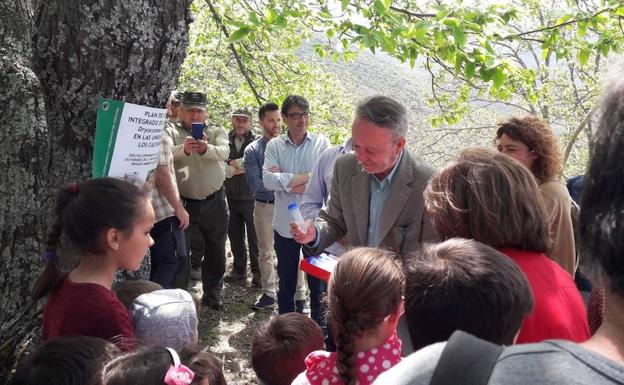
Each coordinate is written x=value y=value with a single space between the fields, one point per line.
x=321 y=365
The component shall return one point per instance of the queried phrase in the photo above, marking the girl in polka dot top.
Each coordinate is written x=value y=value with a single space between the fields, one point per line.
x=365 y=299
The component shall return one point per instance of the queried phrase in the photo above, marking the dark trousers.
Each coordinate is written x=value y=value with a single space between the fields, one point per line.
x=210 y=216
x=241 y=217
x=168 y=253
x=287 y=251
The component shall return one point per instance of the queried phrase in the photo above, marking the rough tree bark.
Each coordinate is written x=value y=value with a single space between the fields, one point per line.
x=57 y=59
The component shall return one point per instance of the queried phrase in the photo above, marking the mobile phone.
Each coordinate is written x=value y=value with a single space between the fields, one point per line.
x=197 y=130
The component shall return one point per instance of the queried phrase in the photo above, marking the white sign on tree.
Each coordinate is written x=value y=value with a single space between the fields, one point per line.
x=127 y=140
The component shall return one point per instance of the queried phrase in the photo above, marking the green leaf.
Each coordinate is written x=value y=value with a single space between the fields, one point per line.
x=319 y=50
x=545 y=53
x=488 y=46
x=380 y=7
x=280 y=21
x=499 y=77
x=460 y=37
x=325 y=14
x=253 y=18
x=563 y=19
x=237 y=23
x=451 y=22
x=486 y=73
x=270 y=16
x=239 y=34
x=344 y=5
x=583 y=55
x=413 y=55
x=469 y=70
x=582 y=28
x=440 y=38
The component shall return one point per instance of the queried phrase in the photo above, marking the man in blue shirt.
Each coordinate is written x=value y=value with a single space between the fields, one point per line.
x=317 y=192
x=288 y=161
x=269 y=120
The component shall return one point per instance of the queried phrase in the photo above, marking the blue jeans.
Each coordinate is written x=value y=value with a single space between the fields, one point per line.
x=288 y=251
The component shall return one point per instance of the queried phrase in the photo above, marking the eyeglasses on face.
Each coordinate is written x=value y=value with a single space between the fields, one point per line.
x=298 y=115
x=175 y=103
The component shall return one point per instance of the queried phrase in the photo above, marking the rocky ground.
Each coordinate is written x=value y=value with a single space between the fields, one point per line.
x=227 y=334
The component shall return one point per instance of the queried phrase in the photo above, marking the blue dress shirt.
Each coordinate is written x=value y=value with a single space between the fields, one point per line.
x=291 y=159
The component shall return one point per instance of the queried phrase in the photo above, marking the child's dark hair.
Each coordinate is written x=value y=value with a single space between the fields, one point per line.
x=462 y=284
x=128 y=290
x=601 y=224
x=280 y=346
x=149 y=365
x=365 y=287
x=203 y=364
x=83 y=212
x=69 y=360
x=146 y=366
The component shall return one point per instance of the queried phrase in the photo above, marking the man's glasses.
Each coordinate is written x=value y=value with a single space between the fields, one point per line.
x=175 y=104
x=298 y=115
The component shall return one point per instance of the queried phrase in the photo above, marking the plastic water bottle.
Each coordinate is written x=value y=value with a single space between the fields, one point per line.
x=295 y=216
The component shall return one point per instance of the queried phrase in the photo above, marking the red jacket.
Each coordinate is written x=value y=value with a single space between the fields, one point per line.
x=559 y=311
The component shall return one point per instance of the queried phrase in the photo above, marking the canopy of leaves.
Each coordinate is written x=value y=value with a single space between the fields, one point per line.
x=236 y=67
x=529 y=56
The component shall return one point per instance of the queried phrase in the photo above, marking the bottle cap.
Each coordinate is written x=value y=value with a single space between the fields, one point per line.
x=292 y=206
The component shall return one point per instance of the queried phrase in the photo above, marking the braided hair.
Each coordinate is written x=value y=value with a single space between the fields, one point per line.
x=366 y=286
x=83 y=212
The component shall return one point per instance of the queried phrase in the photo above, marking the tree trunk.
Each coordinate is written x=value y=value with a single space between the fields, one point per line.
x=56 y=62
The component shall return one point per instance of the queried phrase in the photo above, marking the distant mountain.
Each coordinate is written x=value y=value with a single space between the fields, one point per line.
x=373 y=74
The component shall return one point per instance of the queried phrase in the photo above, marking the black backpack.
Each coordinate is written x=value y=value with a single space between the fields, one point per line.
x=466 y=360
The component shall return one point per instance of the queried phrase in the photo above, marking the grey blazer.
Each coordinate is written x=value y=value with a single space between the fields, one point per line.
x=404 y=223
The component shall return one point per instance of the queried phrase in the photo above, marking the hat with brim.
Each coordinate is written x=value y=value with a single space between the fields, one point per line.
x=176 y=96
x=192 y=100
x=244 y=112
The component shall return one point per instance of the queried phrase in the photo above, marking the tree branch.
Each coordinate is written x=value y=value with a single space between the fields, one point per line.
x=412 y=14
x=556 y=26
x=575 y=134
x=239 y=61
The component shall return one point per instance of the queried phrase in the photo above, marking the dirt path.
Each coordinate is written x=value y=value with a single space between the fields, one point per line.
x=227 y=334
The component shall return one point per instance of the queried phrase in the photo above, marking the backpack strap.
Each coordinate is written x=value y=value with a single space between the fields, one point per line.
x=467 y=360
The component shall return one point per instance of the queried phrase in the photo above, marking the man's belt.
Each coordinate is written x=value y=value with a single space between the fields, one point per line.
x=214 y=194
x=264 y=201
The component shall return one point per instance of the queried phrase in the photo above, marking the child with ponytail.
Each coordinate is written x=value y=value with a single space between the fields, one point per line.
x=365 y=298
x=107 y=223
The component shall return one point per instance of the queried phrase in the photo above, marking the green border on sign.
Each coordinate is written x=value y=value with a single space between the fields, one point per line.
x=108 y=117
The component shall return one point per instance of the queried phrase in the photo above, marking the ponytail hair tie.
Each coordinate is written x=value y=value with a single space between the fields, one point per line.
x=50 y=255
x=178 y=374
x=74 y=188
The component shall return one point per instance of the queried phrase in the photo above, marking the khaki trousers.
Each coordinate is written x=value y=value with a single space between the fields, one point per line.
x=263 y=219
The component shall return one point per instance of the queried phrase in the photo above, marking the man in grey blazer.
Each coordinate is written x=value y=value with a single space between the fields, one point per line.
x=376 y=192
x=376 y=196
